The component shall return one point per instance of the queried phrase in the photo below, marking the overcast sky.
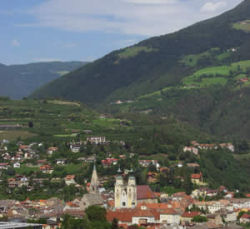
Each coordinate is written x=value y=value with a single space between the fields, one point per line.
x=46 y=30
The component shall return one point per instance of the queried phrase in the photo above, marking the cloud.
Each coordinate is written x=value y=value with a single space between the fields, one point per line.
x=136 y=17
x=15 y=43
x=213 y=6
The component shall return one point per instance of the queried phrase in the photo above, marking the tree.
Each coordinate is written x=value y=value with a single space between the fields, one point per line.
x=199 y=219
x=96 y=213
x=31 y=125
x=188 y=186
x=114 y=224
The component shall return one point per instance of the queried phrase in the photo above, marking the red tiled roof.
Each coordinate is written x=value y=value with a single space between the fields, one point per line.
x=248 y=195
x=154 y=205
x=196 y=175
x=70 y=177
x=120 y=215
x=144 y=192
x=125 y=215
x=190 y=214
x=168 y=211
x=245 y=216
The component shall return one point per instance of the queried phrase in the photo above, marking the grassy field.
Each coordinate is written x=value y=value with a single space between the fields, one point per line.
x=192 y=60
x=243 y=25
x=14 y=134
x=134 y=51
x=216 y=75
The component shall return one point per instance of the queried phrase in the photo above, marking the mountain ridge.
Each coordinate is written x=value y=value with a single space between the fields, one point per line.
x=18 y=81
x=208 y=60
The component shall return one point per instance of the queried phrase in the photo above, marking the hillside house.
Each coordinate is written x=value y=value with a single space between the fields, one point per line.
x=186 y=217
x=52 y=150
x=4 y=165
x=109 y=161
x=70 y=179
x=61 y=161
x=96 y=140
x=46 y=169
x=245 y=218
x=16 y=165
x=191 y=149
x=197 y=178
x=75 y=147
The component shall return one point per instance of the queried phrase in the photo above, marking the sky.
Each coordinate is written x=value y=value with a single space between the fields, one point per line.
x=67 y=30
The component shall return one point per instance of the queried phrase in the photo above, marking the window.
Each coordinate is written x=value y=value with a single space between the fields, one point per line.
x=123 y=204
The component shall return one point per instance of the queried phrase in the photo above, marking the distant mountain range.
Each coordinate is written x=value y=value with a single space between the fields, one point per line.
x=200 y=74
x=18 y=81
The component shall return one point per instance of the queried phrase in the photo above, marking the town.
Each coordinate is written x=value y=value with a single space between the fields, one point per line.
x=133 y=191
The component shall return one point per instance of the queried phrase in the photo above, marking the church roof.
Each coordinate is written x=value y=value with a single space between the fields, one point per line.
x=144 y=192
x=93 y=199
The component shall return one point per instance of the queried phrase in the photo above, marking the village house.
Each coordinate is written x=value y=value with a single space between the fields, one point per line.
x=24 y=148
x=75 y=147
x=60 y=161
x=51 y=150
x=197 y=178
x=109 y=161
x=96 y=140
x=245 y=218
x=16 y=165
x=12 y=183
x=70 y=179
x=152 y=177
x=4 y=165
x=186 y=217
x=191 y=149
x=243 y=203
x=46 y=169
x=146 y=163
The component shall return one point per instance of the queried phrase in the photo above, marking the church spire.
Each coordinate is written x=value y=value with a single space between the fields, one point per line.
x=94 y=181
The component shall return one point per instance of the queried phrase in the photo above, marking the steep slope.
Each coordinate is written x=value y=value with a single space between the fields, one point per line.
x=200 y=74
x=17 y=81
x=151 y=64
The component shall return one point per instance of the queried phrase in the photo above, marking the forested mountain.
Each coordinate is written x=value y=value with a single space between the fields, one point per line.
x=17 y=81
x=200 y=74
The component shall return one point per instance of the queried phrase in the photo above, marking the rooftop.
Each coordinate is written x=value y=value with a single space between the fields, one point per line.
x=10 y=225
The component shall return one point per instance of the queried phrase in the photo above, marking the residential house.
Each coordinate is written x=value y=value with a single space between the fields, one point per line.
x=245 y=218
x=4 y=165
x=16 y=165
x=96 y=140
x=75 y=147
x=191 y=149
x=186 y=217
x=197 y=178
x=51 y=150
x=145 y=194
x=109 y=161
x=60 y=161
x=70 y=179
x=90 y=199
x=46 y=169
x=12 y=183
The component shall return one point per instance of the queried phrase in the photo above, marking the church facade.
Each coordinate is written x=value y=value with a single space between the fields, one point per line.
x=125 y=193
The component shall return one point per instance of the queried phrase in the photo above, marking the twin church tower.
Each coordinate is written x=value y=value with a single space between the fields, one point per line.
x=125 y=192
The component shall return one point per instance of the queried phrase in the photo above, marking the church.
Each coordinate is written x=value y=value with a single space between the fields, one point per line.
x=93 y=197
x=128 y=194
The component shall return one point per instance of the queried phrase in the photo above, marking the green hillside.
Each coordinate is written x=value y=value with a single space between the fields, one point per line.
x=57 y=123
x=199 y=74
x=18 y=81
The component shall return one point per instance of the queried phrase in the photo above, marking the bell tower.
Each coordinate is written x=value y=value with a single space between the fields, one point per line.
x=131 y=192
x=94 y=181
x=125 y=193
